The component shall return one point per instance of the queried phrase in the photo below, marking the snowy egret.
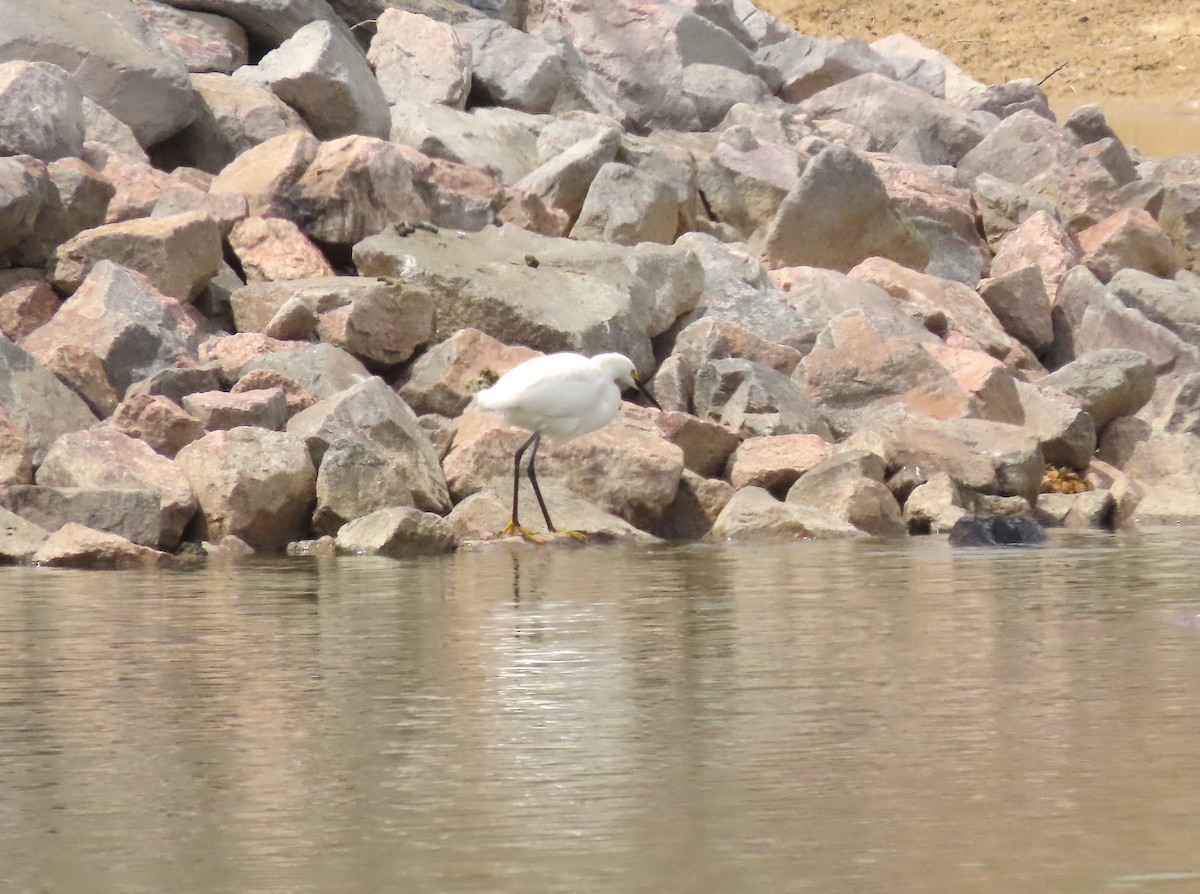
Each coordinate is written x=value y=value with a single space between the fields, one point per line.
x=561 y=396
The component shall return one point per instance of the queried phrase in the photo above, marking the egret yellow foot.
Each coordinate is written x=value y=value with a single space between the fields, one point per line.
x=578 y=535
x=513 y=528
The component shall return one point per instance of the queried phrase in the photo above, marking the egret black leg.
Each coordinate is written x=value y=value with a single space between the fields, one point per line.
x=533 y=439
x=537 y=491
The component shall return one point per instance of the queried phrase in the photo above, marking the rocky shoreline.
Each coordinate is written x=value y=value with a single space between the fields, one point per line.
x=256 y=256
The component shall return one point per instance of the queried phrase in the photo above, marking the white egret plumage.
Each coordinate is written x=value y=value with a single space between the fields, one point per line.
x=560 y=396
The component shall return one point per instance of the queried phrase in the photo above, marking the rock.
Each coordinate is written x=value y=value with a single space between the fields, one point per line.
x=371 y=414
x=132 y=514
x=711 y=338
x=269 y=22
x=137 y=185
x=26 y=303
x=1088 y=510
x=457 y=196
x=850 y=486
x=123 y=66
x=925 y=68
x=900 y=119
x=1180 y=220
x=177 y=254
x=356 y=478
x=563 y=181
x=837 y=214
x=417 y=59
x=1107 y=384
x=706 y=446
x=57 y=131
x=255 y=484
x=979 y=455
x=320 y=369
x=810 y=65
x=16 y=453
x=627 y=468
x=744 y=180
x=1005 y=100
x=323 y=74
x=1020 y=303
x=753 y=514
x=1170 y=303
x=19 y=539
x=1127 y=238
x=990 y=386
x=1027 y=150
x=1004 y=206
x=116 y=329
x=934 y=506
x=76 y=199
x=1040 y=241
x=776 y=461
x=500 y=142
x=398 y=533
x=482 y=516
x=613 y=40
x=176 y=382
x=445 y=378
x=78 y=546
x=512 y=68
x=105 y=458
x=715 y=89
x=205 y=42
x=697 y=504
x=1065 y=432
x=930 y=297
x=24 y=190
x=158 y=421
x=584 y=297
x=861 y=360
x=233 y=117
x=270 y=249
x=627 y=207
x=32 y=398
x=296 y=397
x=754 y=400
x=976 y=530
x=221 y=411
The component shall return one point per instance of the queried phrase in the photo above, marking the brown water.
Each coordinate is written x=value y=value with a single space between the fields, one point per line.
x=819 y=717
x=1155 y=128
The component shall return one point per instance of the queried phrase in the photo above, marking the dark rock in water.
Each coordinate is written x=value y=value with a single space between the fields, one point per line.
x=980 y=530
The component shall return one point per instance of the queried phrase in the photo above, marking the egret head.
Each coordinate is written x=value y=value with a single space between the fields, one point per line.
x=623 y=372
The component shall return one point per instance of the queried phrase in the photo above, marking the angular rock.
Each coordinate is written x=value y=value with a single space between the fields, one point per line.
x=397 y=533
x=296 y=397
x=320 y=369
x=753 y=514
x=563 y=181
x=483 y=515
x=116 y=329
x=706 y=446
x=158 y=421
x=1172 y=304
x=24 y=190
x=233 y=116
x=715 y=89
x=548 y=294
x=371 y=414
x=78 y=546
x=627 y=468
x=1088 y=510
x=132 y=514
x=26 y=303
x=754 y=400
x=990 y=385
x=176 y=382
x=627 y=207
x=512 y=68
x=744 y=180
x=322 y=73
x=934 y=506
x=356 y=479
x=1042 y=242
x=445 y=378
x=77 y=199
x=19 y=539
x=808 y=65
x=1128 y=238
x=837 y=214
x=57 y=132
x=221 y=411
x=178 y=254
x=420 y=60
x=1107 y=384
x=457 y=196
x=775 y=462
x=1005 y=100
x=850 y=486
x=105 y=458
x=136 y=183
x=254 y=484
x=269 y=248
x=697 y=504
x=205 y=42
x=900 y=119
x=1066 y=433
x=269 y=22
x=34 y=400
x=1020 y=303
x=122 y=66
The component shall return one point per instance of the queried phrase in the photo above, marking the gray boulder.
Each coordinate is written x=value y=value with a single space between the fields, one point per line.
x=324 y=75
x=418 y=59
x=1107 y=384
x=850 y=487
x=626 y=206
x=397 y=533
x=754 y=400
x=58 y=131
x=511 y=68
x=1173 y=304
x=321 y=369
x=753 y=514
x=19 y=539
x=35 y=400
x=133 y=514
x=500 y=142
x=808 y=65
